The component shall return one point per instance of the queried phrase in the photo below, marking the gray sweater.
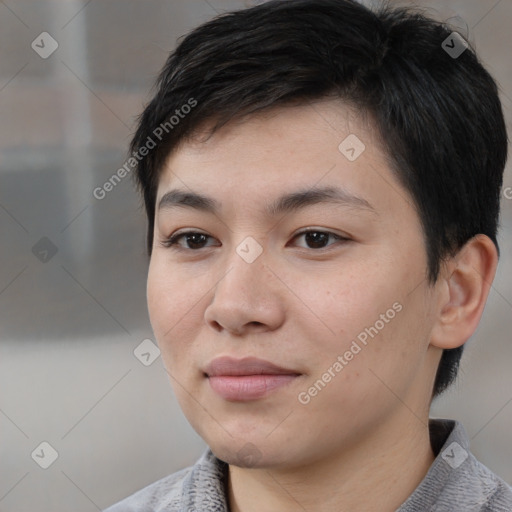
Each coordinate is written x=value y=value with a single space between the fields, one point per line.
x=456 y=482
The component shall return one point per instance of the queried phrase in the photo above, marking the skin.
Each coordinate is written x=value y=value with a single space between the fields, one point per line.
x=300 y=306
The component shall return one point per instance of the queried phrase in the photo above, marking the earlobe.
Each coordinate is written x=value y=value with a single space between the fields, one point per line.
x=465 y=284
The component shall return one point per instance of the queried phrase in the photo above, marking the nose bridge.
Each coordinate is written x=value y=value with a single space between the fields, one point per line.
x=245 y=296
x=249 y=250
x=247 y=263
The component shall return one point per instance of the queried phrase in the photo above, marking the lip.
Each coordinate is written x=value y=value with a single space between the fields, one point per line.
x=246 y=379
x=247 y=366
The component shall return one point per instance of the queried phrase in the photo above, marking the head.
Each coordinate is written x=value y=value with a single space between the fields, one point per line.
x=294 y=96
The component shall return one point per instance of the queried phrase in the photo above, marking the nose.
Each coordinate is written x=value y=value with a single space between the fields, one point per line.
x=248 y=298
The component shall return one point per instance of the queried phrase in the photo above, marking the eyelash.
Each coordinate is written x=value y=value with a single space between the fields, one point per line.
x=172 y=241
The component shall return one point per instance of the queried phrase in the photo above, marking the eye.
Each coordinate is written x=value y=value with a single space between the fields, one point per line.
x=195 y=240
x=317 y=238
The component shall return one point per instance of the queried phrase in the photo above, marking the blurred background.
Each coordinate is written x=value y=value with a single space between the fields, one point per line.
x=73 y=373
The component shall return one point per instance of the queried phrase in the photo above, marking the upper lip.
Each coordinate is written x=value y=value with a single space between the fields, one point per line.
x=247 y=366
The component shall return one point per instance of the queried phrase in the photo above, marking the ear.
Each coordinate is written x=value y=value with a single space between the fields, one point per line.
x=464 y=284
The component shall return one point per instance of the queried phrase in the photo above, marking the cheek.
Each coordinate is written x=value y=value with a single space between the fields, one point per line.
x=378 y=326
x=176 y=304
x=355 y=301
x=169 y=294
x=170 y=304
x=157 y=296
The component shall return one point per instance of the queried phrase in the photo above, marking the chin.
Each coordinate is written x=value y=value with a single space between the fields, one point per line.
x=247 y=454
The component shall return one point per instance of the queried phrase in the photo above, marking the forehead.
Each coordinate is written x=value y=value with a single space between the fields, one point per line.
x=255 y=161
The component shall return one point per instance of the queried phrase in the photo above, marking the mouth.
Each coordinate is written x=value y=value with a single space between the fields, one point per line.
x=240 y=380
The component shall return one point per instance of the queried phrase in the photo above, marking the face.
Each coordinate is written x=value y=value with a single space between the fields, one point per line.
x=344 y=311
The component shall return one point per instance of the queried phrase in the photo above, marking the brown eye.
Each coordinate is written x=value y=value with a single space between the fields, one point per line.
x=316 y=239
x=194 y=240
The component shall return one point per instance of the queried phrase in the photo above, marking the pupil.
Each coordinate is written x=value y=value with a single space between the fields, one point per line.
x=194 y=237
x=315 y=239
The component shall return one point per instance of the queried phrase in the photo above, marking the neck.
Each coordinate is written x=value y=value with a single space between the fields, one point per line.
x=378 y=473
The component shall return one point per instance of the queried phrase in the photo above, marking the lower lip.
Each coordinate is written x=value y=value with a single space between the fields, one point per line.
x=248 y=387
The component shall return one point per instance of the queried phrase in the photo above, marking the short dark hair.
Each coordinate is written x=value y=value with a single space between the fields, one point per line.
x=438 y=115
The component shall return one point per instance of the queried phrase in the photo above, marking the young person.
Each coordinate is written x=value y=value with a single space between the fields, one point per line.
x=322 y=186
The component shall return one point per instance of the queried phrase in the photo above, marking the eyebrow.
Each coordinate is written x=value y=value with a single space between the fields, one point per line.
x=286 y=203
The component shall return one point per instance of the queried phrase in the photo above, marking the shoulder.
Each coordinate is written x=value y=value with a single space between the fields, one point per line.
x=501 y=499
x=477 y=488
x=188 y=489
x=469 y=482
x=457 y=480
x=493 y=493
x=156 y=497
